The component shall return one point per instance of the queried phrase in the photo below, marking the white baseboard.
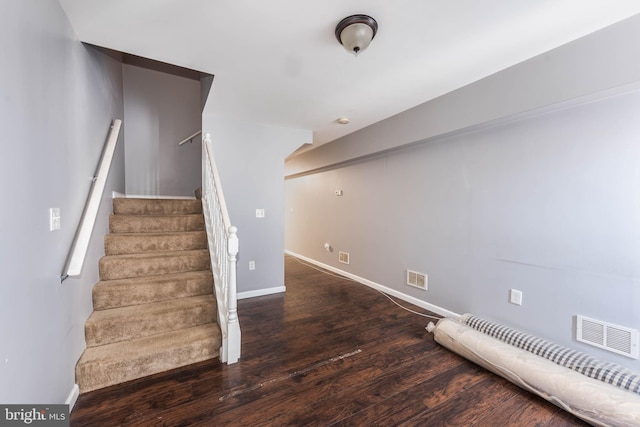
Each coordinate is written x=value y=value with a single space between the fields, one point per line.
x=73 y=397
x=387 y=290
x=261 y=292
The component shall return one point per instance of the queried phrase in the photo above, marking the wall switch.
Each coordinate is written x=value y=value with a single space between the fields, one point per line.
x=259 y=213
x=252 y=265
x=54 y=219
x=515 y=297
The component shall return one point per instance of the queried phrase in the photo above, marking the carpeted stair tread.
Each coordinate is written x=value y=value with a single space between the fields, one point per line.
x=125 y=323
x=131 y=206
x=141 y=290
x=131 y=243
x=155 y=223
x=113 y=267
x=154 y=307
x=124 y=361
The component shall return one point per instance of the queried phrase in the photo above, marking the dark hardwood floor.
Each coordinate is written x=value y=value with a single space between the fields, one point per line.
x=328 y=352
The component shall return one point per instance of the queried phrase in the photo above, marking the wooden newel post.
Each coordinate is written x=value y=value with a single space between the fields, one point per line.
x=233 y=259
x=233 y=325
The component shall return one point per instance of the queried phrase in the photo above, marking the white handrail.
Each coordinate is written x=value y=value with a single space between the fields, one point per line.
x=206 y=146
x=78 y=251
x=223 y=250
x=189 y=138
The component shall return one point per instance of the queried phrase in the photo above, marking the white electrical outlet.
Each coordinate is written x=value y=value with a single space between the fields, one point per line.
x=259 y=213
x=515 y=297
x=252 y=265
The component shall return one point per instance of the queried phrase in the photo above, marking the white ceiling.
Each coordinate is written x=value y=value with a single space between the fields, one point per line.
x=278 y=61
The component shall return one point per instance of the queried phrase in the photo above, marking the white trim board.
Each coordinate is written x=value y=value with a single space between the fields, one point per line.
x=404 y=297
x=73 y=397
x=261 y=292
x=146 y=196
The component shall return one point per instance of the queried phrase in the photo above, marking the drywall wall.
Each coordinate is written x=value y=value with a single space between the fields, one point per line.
x=546 y=203
x=57 y=100
x=160 y=110
x=250 y=160
x=206 y=82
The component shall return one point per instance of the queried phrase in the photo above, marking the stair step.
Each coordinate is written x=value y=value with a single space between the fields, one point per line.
x=126 y=206
x=111 y=364
x=113 y=267
x=155 y=223
x=125 y=292
x=154 y=308
x=133 y=243
x=127 y=323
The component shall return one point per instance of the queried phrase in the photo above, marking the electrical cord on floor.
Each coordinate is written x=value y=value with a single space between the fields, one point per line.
x=388 y=297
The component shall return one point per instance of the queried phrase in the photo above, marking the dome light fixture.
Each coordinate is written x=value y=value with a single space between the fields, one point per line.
x=355 y=32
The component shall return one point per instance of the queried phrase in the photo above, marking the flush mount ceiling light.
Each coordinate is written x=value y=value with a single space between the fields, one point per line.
x=355 y=32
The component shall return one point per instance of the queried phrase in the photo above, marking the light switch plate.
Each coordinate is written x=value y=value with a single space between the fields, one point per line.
x=54 y=219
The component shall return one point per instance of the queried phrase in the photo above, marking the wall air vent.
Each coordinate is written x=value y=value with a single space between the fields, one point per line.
x=419 y=280
x=614 y=338
x=343 y=257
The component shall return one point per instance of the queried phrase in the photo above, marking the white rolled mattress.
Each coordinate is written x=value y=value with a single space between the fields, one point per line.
x=606 y=398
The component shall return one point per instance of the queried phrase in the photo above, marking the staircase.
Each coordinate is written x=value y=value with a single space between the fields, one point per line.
x=154 y=307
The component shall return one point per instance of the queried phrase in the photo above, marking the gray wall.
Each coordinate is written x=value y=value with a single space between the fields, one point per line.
x=161 y=109
x=57 y=100
x=547 y=202
x=250 y=159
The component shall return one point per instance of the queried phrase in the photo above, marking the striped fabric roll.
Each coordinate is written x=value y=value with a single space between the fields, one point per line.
x=607 y=372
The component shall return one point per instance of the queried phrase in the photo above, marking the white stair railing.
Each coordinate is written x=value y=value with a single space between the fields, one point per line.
x=80 y=244
x=189 y=138
x=223 y=249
